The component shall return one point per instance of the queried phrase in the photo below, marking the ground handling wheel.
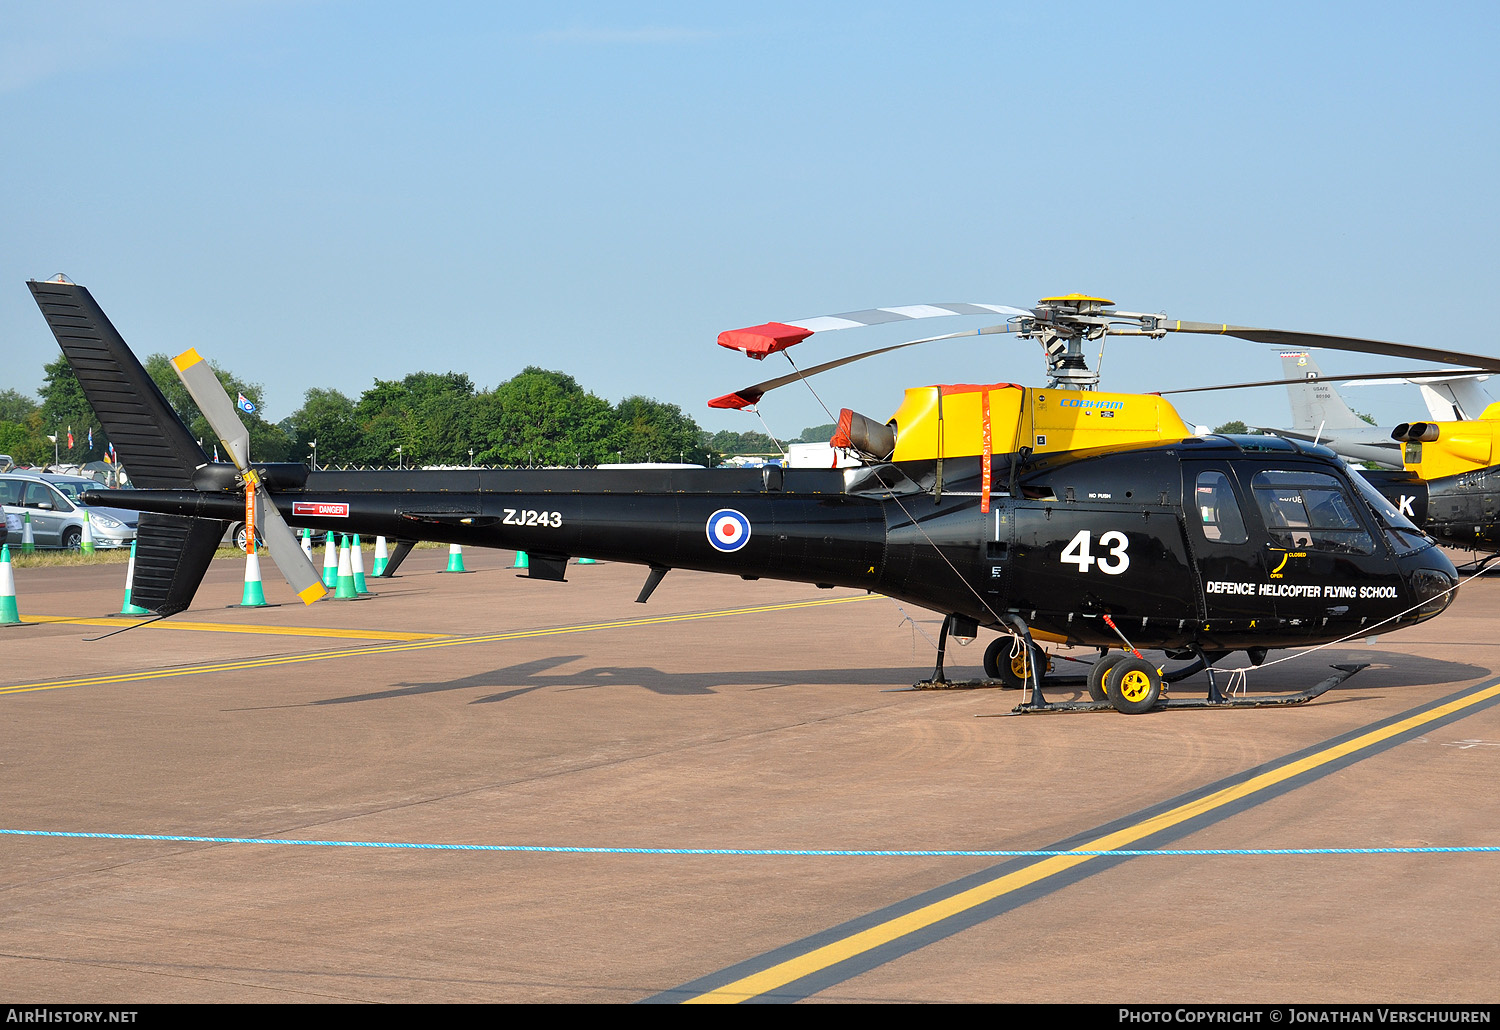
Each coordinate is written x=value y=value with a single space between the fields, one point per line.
x=1133 y=686
x=999 y=665
x=1098 y=671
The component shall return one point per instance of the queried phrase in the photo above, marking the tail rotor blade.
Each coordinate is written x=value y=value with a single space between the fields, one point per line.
x=286 y=552
x=209 y=394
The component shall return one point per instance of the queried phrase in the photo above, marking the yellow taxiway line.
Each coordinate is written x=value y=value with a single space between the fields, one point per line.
x=416 y=645
x=819 y=959
x=234 y=627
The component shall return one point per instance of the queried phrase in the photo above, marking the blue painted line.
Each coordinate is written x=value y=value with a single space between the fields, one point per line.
x=772 y=852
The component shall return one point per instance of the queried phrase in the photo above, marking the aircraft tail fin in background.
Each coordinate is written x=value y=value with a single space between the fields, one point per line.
x=156 y=449
x=1315 y=405
x=1454 y=400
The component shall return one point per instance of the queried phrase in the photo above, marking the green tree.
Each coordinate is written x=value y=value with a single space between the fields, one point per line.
x=65 y=407
x=428 y=415
x=267 y=442
x=15 y=406
x=817 y=434
x=21 y=433
x=726 y=442
x=328 y=417
x=651 y=430
x=1235 y=427
x=545 y=418
x=25 y=441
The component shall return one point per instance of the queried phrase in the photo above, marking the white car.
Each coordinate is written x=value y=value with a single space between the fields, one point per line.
x=57 y=513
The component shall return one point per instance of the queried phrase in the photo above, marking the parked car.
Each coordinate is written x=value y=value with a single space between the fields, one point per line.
x=57 y=513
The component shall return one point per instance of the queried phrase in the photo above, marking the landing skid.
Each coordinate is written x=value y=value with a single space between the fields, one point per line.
x=946 y=684
x=1212 y=701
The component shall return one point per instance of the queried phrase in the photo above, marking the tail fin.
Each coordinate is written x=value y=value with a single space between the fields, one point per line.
x=1315 y=405
x=172 y=552
x=150 y=439
x=1456 y=399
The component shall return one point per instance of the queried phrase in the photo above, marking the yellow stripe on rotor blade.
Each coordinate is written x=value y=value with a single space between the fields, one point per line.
x=187 y=359
x=312 y=593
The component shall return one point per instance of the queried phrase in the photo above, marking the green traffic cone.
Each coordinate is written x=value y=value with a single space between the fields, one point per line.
x=86 y=542
x=9 y=615
x=357 y=563
x=522 y=561
x=455 y=559
x=382 y=557
x=255 y=591
x=127 y=608
x=587 y=561
x=28 y=541
x=330 y=562
x=345 y=589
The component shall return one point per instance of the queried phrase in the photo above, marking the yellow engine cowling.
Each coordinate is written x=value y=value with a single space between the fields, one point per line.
x=1456 y=448
x=950 y=421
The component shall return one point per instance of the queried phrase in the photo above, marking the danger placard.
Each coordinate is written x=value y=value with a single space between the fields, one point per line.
x=340 y=511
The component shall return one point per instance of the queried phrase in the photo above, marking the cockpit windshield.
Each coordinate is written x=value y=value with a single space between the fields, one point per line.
x=1403 y=534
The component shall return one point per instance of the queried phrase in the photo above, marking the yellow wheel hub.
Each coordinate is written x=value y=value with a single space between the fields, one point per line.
x=1135 y=685
x=1018 y=664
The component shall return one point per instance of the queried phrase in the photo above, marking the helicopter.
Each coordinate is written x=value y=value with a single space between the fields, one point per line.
x=1451 y=483
x=1058 y=513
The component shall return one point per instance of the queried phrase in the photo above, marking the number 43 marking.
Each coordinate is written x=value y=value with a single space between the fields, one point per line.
x=1077 y=552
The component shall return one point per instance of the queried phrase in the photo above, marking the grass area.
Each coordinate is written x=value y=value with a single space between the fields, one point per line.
x=60 y=559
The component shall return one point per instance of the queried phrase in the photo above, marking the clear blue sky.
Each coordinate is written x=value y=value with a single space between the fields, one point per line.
x=320 y=193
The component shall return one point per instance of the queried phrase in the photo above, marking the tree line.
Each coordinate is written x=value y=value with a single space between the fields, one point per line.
x=538 y=417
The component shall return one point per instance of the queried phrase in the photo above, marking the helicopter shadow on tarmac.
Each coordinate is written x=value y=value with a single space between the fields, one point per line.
x=536 y=675
x=1389 y=670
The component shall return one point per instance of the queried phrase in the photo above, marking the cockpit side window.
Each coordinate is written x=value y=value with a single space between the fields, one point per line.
x=1310 y=510
x=1218 y=510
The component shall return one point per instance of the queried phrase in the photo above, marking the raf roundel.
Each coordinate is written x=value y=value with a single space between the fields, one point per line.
x=728 y=530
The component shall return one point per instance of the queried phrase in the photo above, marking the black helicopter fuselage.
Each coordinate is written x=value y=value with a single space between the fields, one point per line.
x=1215 y=542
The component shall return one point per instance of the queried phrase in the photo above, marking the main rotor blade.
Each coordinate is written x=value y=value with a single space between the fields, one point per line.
x=286 y=552
x=1448 y=373
x=759 y=341
x=209 y=394
x=751 y=394
x=1302 y=341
